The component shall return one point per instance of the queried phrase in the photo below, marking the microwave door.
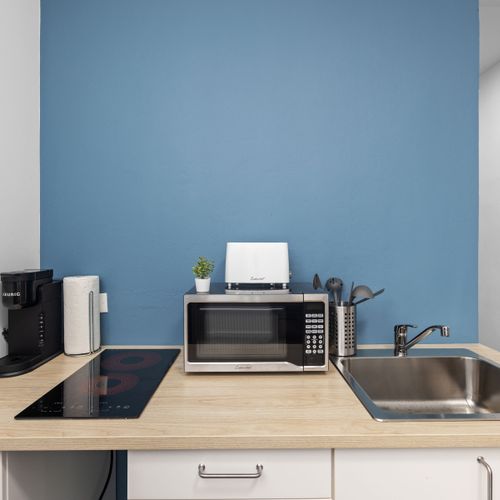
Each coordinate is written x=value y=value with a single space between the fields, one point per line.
x=257 y=333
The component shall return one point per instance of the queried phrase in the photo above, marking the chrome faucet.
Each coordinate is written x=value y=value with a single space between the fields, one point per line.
x=401 y=346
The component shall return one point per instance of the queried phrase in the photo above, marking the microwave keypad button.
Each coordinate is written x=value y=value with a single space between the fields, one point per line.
x=309 y=320
x=320 y=315
x=320 y=351
x=314 y=351
x=314 y=315
x=308 y=315
x=320 y=321
x=308 y=351
x=308 y=337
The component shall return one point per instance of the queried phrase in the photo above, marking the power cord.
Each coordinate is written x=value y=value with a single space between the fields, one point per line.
x=111 y=457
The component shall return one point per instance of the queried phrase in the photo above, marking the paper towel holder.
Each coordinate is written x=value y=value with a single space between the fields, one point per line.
x=83 y=305
x=92 y=348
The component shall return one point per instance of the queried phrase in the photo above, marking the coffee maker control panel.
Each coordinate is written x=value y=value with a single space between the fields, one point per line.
x=41 y=329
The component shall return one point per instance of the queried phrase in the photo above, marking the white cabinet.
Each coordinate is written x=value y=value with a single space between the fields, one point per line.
x=286 y=474
x=430 y=474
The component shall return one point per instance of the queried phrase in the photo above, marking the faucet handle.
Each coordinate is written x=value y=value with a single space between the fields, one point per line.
x=398 y=329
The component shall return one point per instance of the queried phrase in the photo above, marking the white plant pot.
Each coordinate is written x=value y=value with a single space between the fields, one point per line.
x=202 y=285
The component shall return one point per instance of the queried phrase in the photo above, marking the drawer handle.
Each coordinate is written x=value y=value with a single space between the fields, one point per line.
x=486 y=465
x=231 y=475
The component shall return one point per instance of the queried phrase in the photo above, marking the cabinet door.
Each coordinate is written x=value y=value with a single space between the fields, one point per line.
x=432 y=474
x=286 y=474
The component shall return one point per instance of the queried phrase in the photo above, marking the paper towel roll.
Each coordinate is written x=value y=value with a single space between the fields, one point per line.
x=82 y=320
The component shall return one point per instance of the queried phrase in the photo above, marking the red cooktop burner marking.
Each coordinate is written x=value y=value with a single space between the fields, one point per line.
x=111 y=384
x=136 y=361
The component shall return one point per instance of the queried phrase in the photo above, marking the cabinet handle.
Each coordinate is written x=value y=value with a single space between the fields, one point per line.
x=486 y=465
x=252 y=475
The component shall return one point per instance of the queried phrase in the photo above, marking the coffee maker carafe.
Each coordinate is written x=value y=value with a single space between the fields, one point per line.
x=34 y=334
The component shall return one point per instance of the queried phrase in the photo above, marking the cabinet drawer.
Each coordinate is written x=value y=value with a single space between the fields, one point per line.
x=290 y=474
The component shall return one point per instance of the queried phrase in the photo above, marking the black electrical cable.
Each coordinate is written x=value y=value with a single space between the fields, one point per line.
x=111 y=456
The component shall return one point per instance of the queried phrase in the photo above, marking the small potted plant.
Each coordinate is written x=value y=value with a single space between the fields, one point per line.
x=202 y=271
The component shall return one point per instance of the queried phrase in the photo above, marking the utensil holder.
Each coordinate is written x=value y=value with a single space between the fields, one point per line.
x=343 y=330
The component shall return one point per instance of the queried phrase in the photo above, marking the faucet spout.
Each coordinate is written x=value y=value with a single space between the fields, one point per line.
x=401 y=346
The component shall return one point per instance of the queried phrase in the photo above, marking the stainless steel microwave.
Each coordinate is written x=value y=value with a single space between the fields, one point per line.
x=227 y=331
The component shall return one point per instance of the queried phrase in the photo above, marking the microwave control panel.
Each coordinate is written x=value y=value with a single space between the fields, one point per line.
x=314 y=339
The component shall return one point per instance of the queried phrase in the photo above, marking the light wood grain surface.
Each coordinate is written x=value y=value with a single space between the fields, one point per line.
x=198 y=411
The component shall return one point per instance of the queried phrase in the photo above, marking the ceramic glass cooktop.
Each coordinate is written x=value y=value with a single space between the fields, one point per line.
x=118 y=383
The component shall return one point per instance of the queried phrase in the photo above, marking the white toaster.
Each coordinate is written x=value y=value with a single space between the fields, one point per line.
x=257 y=263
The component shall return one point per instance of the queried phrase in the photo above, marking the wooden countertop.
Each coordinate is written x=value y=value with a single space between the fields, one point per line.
x=195 y=411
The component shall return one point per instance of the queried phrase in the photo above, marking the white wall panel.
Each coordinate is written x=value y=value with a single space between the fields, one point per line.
x=19 y=138
x=489 y=207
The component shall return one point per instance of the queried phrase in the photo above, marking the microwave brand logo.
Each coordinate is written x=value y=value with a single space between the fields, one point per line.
x=257 y=278
x=11 y=294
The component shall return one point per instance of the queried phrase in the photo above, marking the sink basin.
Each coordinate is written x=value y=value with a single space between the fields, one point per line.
x=428 y=384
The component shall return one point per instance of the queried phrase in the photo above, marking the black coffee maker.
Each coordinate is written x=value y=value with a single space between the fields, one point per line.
x=34 y=334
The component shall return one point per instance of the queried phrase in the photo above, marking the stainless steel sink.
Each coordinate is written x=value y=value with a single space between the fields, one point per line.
x=428 y=384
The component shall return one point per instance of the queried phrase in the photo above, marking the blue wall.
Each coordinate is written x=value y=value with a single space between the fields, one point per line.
x=348 y=129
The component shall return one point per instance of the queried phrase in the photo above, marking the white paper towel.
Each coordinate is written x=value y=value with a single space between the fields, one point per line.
x=82 y=320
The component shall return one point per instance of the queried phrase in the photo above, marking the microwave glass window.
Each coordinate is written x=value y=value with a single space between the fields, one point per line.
x=235 y=333
x=251 y=333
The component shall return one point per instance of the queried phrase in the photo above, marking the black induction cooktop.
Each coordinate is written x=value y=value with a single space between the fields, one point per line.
x=118 y=383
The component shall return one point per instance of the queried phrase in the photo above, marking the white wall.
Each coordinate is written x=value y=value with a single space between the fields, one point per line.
x=489 y=33
x=19 y=138
x=489 y=207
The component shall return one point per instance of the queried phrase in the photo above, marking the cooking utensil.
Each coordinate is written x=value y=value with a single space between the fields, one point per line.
x=349 y=301
x=340 y=288
x=317 y=282
x=335 y=286
x=329 y=287
x=360 y=291
x=378 y=292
